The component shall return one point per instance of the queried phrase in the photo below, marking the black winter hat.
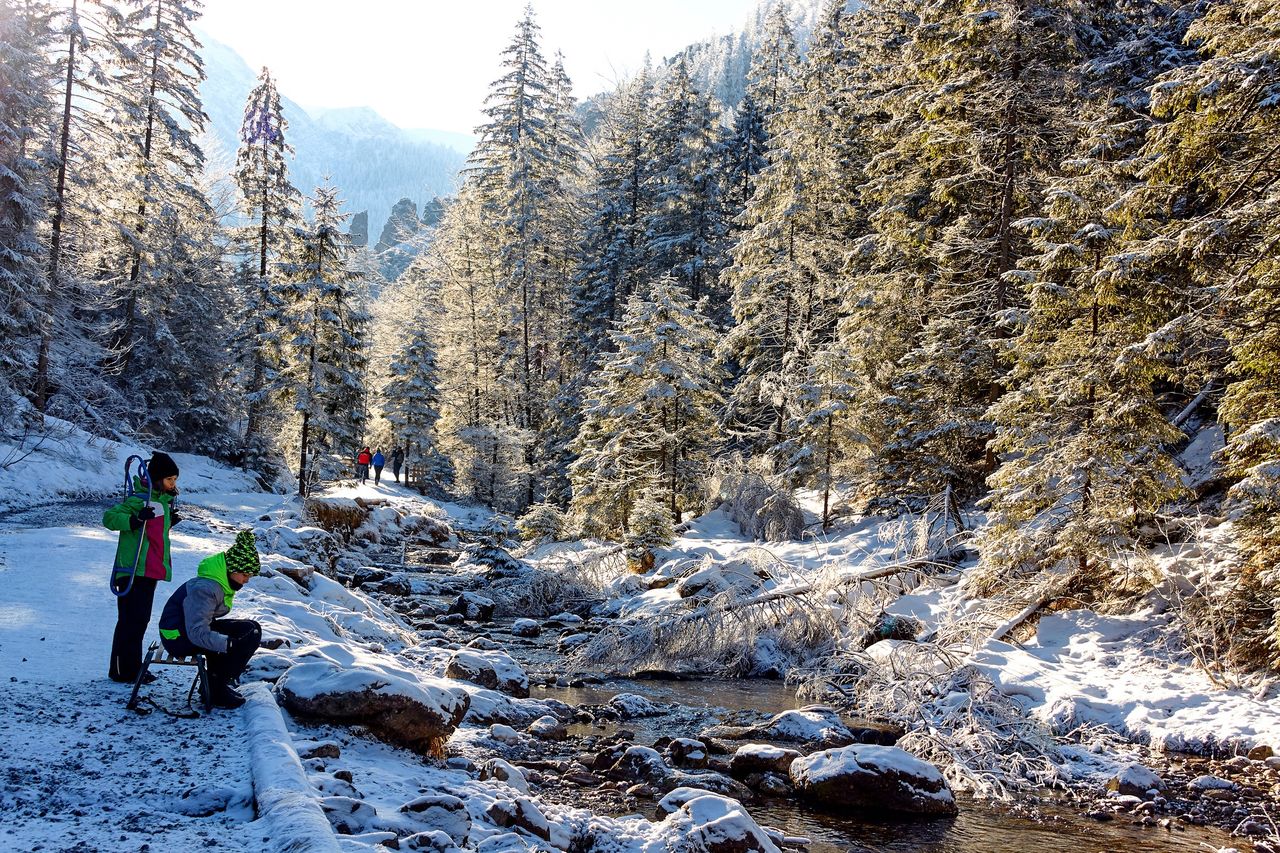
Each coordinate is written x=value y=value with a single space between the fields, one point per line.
x=161 y=466
x=242 y=556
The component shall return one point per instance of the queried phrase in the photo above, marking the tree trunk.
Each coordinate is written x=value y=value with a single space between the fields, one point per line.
x=55 y=226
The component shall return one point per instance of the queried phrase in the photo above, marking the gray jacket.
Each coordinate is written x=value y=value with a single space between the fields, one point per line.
x=205 y=602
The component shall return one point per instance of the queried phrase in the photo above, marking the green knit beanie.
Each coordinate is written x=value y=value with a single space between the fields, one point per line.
x=242 y=556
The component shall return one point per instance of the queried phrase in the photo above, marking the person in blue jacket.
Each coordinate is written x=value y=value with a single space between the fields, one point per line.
x=192 y=621
x=378 y=461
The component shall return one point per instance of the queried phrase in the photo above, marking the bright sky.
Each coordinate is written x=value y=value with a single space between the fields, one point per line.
x=428 y=63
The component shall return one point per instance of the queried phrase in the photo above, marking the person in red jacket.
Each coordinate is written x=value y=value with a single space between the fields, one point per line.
x=143 y=521
x=363 y=458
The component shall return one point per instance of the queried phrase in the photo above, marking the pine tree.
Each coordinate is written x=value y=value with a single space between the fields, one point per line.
x=411 y=401
x=649 y=424
x=326 y=334
x=26 y=81
x=262 y=176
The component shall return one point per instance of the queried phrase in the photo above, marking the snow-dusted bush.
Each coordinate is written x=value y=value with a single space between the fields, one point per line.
x=761 y=509
x=650 y=527
x=543 y=522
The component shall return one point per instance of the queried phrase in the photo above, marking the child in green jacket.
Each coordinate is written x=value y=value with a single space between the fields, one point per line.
x=143 y=524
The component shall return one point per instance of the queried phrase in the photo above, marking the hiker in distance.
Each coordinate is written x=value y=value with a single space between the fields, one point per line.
x=143 y=520
x=397 y=461
x=192 y=622
x=378 y=462
x=363 y=458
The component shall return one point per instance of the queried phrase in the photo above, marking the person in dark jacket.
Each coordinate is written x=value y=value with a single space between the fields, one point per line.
x=143 y=520
x=397 y=461
x=192 y=619
x=379 y=461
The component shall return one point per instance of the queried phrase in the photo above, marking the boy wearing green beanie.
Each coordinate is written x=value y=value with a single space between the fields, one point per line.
x=192 y=619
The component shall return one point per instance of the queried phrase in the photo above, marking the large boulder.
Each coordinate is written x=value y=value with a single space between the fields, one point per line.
x=818 y=725
x=868 y=777
x=495 y=670
x=1135 y=780
x=417 y=713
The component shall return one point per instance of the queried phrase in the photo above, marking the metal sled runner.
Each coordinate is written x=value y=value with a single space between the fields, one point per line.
x=157 y=656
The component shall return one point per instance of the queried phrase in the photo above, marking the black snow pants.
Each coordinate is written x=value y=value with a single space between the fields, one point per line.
x=245 y=637
x=133 y=612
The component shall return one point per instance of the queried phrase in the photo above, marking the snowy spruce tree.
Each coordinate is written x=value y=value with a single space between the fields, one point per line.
x=27 y=78
x=649 y=424
x=411 y=403
x=325 y=336
x=267 y=197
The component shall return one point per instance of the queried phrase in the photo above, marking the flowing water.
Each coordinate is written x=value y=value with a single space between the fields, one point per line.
x=697 y=704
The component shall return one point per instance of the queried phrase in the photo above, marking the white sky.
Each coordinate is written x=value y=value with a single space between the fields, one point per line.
x=429 y=63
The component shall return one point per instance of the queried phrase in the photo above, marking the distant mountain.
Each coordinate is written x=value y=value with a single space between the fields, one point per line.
x=372 y=161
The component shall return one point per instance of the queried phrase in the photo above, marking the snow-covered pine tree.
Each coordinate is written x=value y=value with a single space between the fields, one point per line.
x=26 y=111
x=742 y=153
x=774 y=65
x=649 y=426
x=975 y=126
x=784 y=269
x=323 y=378
x=411 y=401
x=267 y=196
x=685 y=229
x=1083 y=442
x=157 y=117
x=1213 y=210
x=609 y=267
x=520 y=172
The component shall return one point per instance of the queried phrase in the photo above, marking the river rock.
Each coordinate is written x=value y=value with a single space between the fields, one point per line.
x=815 y=724
x=569 y=642
x=525 y=628
x=484 y=644
x=1261 y=753
x=472 y=606
x=441 y=812
x=565 y=618
x=873 y=778
x=711 y=824
x=631 y=705
x=548 y=727
x=429 y=841
x=347 y=815
x=495 y=670
x=503 y=734
x=504 y=771
x=520 y=813
x=1135 y=780
x=761 y=758
x=417 y=713
x=687 y=753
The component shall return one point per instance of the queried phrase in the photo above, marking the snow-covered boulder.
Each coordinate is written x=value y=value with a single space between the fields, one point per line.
x=632 y=705
x=415 y=712
x=1135 y=780
x=472 y=606
x=494 y=670
x=525 y=628
x=569 y=642
x=520 y=813
x=712 y=824
x=713 y=579
x=429 y=841
x=504 y=771
x=564 y=618
x=871 y=777
x=754 y=758
x=503 y=733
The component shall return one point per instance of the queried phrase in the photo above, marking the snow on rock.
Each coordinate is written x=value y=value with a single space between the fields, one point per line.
x=1135 y=780
x=504 y=771
x=631 y=705
x=525 y=628
x=713 y=579
x=565 y=618
x=520 y=813
x=548 y=727
x=397 y=704
x=871 y=777
x=503 y=733
x=711 y=824
x=687 y=752
x=1207 y=782
x=473 y=606
x=286 y=801
x=441 y=812
x=495 y=670
x=813 y=724
x=761 y=758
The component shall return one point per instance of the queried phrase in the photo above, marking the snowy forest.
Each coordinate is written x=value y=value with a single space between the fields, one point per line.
x=944 y=255
x=983 y=294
